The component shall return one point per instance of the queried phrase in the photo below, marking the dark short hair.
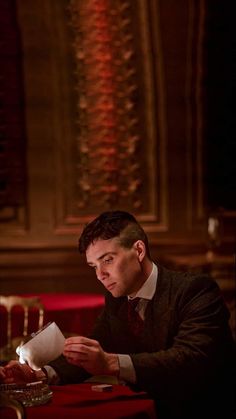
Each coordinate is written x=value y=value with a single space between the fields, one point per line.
x=110 y=224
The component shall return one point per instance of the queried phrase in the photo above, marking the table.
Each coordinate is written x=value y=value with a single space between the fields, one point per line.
x=79 y=401
x=73 y=313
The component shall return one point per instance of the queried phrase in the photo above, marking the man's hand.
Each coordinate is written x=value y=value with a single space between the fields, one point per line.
x=88 y=353
x=14 y=372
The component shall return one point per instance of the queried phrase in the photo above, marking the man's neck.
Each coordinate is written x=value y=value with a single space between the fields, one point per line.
x=148 y=271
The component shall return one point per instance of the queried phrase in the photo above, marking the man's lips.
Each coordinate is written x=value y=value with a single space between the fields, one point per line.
x=109 y=287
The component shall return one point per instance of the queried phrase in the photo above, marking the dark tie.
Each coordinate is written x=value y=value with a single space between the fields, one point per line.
x=135 y=322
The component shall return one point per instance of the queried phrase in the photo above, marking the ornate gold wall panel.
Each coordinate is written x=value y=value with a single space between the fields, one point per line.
x=118 y=154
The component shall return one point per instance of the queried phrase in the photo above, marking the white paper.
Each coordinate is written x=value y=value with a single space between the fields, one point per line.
x=44 y=347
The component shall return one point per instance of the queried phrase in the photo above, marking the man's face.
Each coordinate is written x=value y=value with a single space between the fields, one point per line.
x=119 y=269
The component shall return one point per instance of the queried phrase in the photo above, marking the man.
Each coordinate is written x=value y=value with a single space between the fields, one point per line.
x=176 y=344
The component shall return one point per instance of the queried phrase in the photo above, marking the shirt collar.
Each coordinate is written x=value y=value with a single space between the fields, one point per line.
x=148 y=289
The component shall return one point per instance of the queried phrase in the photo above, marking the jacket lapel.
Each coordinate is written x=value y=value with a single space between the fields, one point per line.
x=158 y=313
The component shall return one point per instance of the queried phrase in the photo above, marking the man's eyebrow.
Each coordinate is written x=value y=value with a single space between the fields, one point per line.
x=101 y=257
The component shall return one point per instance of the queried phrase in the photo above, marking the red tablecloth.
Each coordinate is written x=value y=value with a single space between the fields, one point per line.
x=73 y=313
x=79 y=401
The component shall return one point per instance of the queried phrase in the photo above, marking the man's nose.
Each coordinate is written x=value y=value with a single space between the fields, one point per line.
x=101 y=274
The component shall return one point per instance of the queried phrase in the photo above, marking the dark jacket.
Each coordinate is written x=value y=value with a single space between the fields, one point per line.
x=185 y=357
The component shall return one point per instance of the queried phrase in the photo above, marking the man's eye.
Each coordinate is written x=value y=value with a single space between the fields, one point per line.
x=107 y=260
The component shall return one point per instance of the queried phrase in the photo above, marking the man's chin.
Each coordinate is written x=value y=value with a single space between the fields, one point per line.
x=116 y=293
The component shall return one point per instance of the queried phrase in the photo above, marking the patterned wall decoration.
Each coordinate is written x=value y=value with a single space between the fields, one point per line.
x=12 y=135
x=112 y=143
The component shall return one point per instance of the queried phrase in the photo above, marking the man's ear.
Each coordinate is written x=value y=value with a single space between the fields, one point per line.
x=140 y=249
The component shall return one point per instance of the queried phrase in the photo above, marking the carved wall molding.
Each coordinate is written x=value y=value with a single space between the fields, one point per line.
x=195 y=111
x=120 y=152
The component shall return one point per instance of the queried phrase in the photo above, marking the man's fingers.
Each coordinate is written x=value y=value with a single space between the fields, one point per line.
x=76 y=354
x=80 y=348
x=77 y=357
x=12 y=364
x=76 y=362
x=81 y=340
